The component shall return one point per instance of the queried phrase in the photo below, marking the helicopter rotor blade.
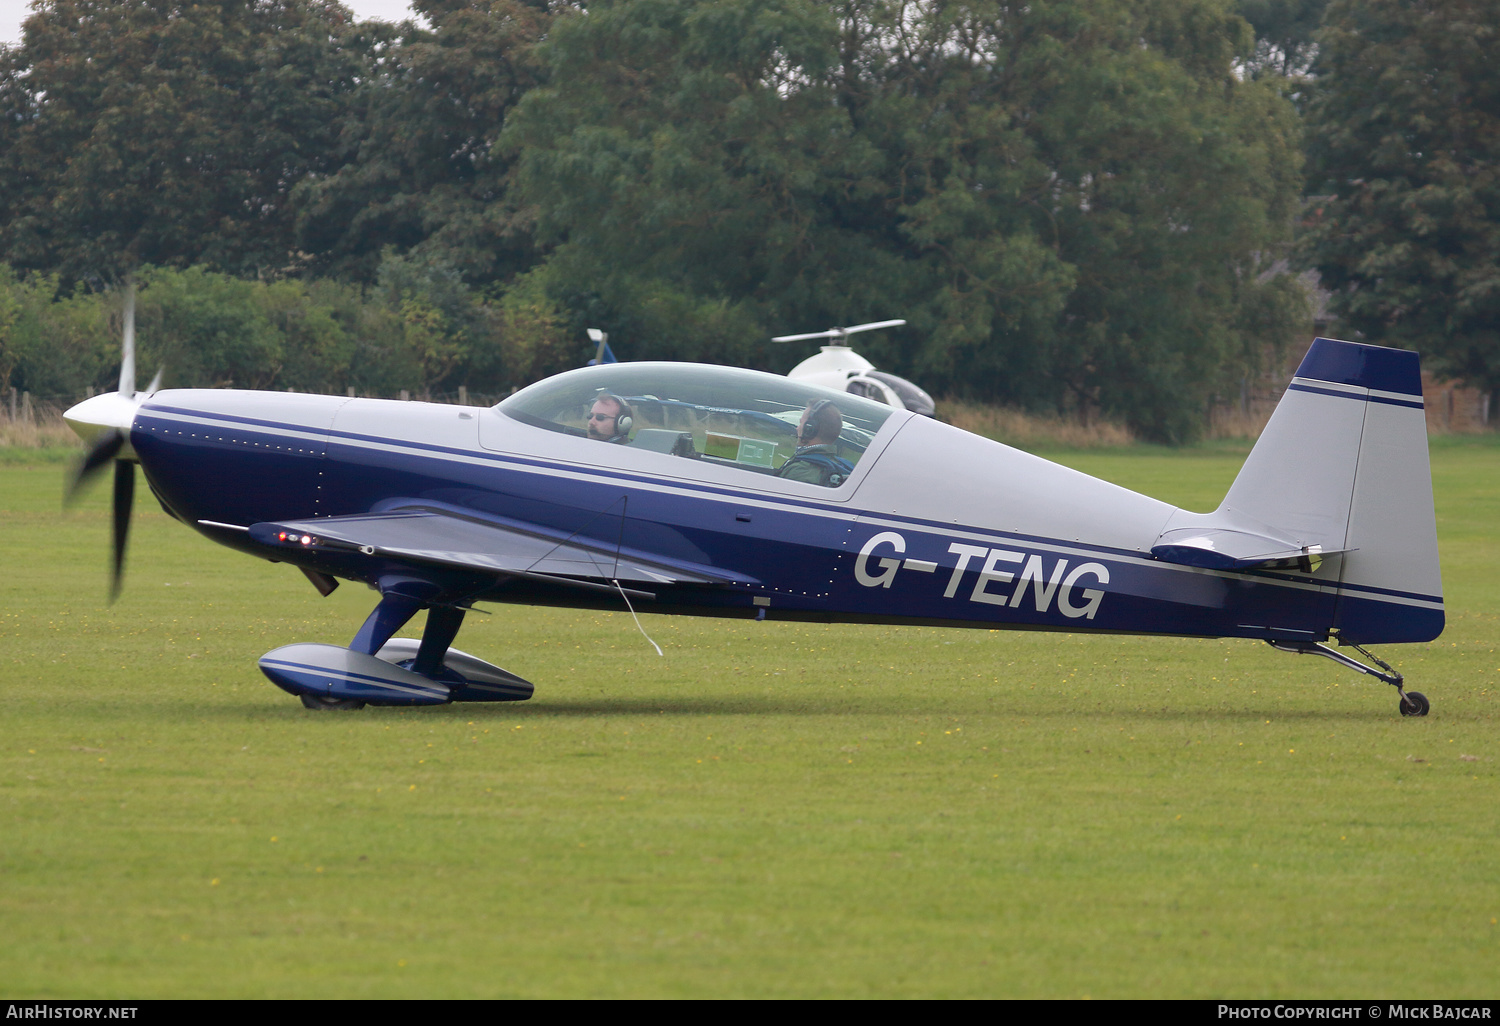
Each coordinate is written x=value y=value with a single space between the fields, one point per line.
x=872 y=326
x=835 y=333
x=839 y=332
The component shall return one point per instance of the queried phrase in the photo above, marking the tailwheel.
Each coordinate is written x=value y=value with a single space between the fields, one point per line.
x=330 y=702
x=1414 y=703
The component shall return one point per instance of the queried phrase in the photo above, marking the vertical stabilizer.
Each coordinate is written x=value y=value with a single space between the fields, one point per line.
x=1337 y=493
x=1343 y=465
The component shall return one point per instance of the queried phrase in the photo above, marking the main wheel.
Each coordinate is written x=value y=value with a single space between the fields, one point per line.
x=329 y=702
x=1414 y=703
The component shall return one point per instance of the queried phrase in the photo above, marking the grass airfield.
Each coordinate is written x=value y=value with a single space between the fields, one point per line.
x=770 y=810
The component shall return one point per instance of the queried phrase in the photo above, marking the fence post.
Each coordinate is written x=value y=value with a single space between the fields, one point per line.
x=13 y=404
x=26 y=407
x=405 y=396
x=463 y=395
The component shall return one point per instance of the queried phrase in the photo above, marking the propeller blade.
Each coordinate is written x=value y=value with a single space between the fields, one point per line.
x=127 y=358
x=155 y=382
x=124 y=499
x=105 y=420
x=105 y=448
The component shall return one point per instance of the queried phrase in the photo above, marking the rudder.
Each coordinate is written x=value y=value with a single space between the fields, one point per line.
x=1349 y=396
x=1341 y=468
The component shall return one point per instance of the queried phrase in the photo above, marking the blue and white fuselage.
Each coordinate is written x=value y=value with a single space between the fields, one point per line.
x=689 y=489
x=934 y=526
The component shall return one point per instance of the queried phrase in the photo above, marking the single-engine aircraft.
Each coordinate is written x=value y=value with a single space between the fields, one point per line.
x=683 y=503
x=840 y=368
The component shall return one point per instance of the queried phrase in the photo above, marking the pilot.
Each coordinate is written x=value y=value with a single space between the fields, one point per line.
x=610 y=419
x=817 y=459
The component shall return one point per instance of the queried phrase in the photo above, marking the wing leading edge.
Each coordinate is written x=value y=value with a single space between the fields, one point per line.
x=443 y=538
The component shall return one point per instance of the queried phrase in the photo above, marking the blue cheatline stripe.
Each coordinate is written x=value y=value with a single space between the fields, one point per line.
x=382 y=443
x=1370 y=589
x=319 y=681
x=865 y=516
x=350 y=675
x=1418 y=405
x=237 y=419
x=1352 y=363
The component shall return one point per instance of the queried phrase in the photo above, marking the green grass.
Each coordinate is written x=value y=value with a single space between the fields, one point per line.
x=769 y=810
x=14 y=456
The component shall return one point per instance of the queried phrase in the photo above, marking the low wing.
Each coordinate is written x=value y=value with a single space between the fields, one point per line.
x=444 y=538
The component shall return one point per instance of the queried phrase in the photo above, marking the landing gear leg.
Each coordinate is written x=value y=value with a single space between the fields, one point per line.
x=330 y=677
x=442 y=627
x=1413 y=703
x=384 y=620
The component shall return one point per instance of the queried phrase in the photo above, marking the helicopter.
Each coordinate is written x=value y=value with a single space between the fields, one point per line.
x=840 y=368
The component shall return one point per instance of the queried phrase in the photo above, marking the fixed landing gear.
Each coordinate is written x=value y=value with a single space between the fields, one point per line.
x=1413 y=703
x=330 y=702
x=377 y=669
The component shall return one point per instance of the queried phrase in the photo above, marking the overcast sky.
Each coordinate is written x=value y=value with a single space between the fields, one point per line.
x=13 y=11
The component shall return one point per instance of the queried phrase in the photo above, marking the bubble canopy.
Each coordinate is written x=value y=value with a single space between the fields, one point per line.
x=723 y=415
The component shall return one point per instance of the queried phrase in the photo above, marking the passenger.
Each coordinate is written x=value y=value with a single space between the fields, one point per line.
x=817 y=459
x=610 y=419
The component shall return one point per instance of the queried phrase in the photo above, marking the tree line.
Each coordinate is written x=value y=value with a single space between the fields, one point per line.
x=1095 y=207
x=415 y=329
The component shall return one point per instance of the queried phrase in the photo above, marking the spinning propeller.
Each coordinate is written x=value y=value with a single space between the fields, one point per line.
x=839 y=334
x=104 y=422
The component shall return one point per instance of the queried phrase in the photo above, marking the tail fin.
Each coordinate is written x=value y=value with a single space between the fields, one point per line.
x=1341 y=469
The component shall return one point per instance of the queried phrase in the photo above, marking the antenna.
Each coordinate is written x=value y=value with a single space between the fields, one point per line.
x=602 y=338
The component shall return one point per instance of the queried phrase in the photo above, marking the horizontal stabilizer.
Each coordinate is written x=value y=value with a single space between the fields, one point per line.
x=1228 y=549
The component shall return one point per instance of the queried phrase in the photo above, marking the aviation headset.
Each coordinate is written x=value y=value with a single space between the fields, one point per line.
x=623 y=419
x=810 y=425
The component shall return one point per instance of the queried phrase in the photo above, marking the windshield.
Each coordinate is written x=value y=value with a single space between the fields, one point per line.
x=912 y=396
x=723 y=415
